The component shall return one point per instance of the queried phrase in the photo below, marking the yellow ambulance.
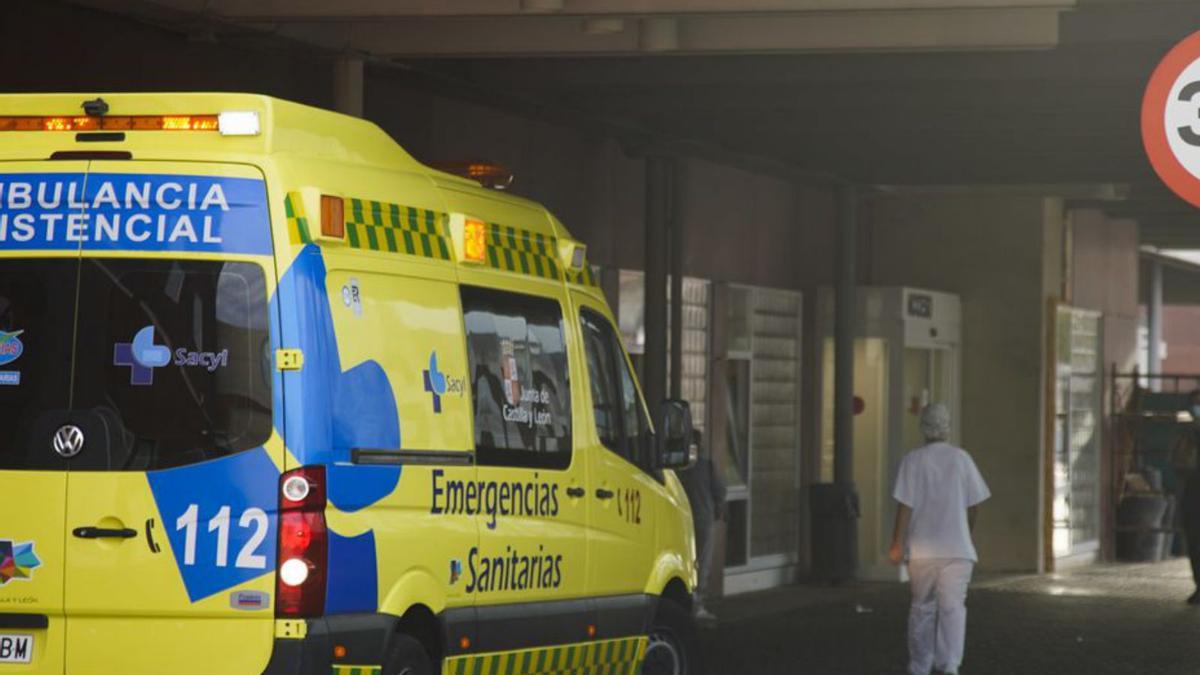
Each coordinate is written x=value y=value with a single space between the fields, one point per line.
x=277 y=398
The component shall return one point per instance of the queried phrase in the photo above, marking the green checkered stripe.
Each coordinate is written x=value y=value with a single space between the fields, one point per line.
x=357 y=670
x=298 y=232
x=392 y=228
x=583 y=277
x=605 y=657
x=523 y=252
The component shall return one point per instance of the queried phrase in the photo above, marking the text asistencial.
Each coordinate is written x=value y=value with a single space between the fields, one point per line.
x=134 y=212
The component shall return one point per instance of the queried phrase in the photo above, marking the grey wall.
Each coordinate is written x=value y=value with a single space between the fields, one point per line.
x=1104 y=277
x=1001 y=255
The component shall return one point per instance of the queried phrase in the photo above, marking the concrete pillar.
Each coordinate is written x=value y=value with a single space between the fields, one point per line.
x=654 y=362
x=348 y=85
x=843 y=336
x=1154 y=321
x=676 y=263
x=834 y=536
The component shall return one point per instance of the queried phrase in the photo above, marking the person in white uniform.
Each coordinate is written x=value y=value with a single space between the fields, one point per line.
x=939 y=490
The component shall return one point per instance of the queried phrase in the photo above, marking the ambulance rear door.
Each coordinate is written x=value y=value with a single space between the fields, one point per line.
x=170 y=528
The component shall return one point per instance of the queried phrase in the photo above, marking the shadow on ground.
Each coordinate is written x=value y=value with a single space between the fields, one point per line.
x=1096 y=620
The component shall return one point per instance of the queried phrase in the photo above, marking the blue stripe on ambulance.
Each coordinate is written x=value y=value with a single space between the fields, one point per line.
x=330 y=412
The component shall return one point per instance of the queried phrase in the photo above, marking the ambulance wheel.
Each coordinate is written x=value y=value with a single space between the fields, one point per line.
x=407 y=657
x=673 y=648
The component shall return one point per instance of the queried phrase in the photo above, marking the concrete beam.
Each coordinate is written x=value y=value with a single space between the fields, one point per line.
x=982 y=29
x=318 y=10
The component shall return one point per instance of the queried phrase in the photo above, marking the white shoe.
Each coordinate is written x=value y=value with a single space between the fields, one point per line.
x=702 y=614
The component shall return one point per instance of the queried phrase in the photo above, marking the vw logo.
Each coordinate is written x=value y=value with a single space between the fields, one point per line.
x=68 y=440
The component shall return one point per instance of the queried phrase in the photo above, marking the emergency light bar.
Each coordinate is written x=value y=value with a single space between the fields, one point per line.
x=239 y=123
x=487 y=174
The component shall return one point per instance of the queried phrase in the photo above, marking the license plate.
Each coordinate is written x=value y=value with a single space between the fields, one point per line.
x=16 y=648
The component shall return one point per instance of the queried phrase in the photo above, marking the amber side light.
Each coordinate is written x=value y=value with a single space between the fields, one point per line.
x=333 y=221
x=475 y=240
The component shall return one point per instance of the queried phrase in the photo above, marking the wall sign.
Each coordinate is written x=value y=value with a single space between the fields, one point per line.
x=920 y=306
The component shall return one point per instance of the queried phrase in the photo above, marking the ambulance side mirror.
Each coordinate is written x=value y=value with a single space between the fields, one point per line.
x=675 y=446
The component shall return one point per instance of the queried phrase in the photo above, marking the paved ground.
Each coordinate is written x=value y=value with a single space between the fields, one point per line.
x=1097 y=620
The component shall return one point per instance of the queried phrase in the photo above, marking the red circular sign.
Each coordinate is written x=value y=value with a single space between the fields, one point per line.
x=1171 y=119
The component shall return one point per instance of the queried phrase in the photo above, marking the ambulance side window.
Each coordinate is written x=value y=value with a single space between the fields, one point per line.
x=606 y=401
x=616 y=407
x=633 y=414
x=520 y=385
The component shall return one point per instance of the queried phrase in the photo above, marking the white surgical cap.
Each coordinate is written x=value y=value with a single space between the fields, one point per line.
x=935 y=422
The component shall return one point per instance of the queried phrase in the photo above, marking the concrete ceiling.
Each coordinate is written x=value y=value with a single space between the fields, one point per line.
x=884 y=92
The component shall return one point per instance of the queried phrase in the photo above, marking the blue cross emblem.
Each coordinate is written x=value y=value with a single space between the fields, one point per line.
x=435 y=382
x=141 y=356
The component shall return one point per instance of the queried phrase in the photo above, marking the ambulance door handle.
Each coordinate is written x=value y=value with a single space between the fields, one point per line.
x=104 y=533
x=576 y=492
x=602 y=493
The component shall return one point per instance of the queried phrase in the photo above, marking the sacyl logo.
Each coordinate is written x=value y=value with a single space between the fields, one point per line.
x=439 y=384
x=142 y=356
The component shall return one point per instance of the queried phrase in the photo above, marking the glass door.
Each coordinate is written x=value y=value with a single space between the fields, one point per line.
x=927 y=379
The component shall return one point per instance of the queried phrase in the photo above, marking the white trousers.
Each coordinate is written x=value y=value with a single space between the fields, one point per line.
x=937 y=620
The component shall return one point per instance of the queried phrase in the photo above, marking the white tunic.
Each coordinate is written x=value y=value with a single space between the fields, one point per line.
x=939 y=482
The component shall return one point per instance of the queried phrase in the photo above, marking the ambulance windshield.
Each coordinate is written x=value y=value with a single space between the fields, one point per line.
x=169 y=365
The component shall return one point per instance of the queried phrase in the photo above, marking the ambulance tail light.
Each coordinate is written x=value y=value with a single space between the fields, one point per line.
x=303 y=544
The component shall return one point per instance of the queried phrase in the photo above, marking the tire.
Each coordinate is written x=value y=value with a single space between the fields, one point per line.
x=406 y=656
x=674 y=647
